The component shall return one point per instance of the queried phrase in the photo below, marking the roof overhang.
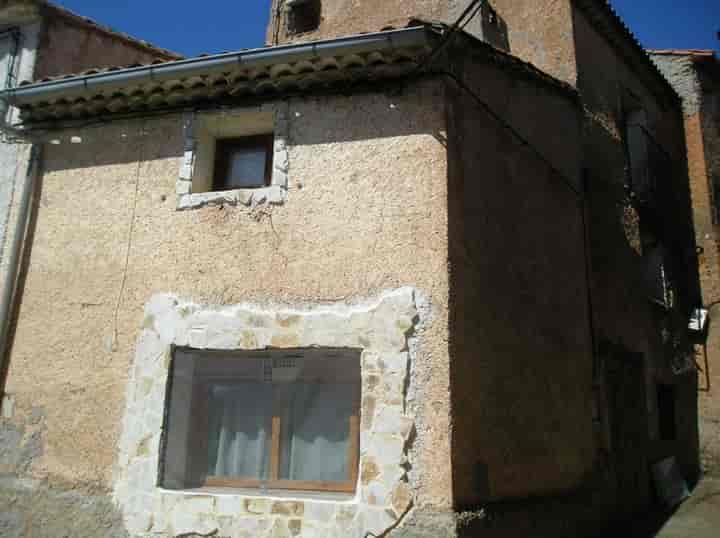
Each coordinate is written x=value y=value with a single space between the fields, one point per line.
x=296 y=67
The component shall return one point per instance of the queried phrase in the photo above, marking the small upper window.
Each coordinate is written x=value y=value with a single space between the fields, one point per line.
x=277 y=419
x=243 y=163
x=303 y=16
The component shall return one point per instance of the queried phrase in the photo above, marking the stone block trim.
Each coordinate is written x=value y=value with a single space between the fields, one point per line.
x=384 y=495
x=275 y=193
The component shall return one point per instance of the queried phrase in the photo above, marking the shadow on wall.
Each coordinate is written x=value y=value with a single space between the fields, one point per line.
x=383 y=112
x=520 y=348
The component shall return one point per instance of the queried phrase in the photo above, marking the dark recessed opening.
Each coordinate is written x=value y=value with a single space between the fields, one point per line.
x=303 y=16
x=666 y=412
x=243 y=163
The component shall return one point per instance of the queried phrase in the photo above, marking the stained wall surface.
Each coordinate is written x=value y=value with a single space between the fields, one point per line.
x=540 y=32
x=366 y=212
x=628 y=327
x=66 y=47
x=348 y=17
x=521 y=345
x=699 y=86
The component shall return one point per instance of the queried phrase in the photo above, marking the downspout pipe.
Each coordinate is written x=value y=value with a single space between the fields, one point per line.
x=7 y=301
x=90 y=85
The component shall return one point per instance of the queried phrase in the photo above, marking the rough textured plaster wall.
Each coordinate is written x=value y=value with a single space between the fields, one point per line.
x=703 y=148
x=366 y=212
x=522 y=363
x=347 y=17
x=540 y=32
x=623 y=316
x=69 y=48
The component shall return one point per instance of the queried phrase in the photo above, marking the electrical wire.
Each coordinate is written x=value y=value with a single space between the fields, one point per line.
x=426 y=66
x=475 y=6
x=141 y=159
x=524 y=141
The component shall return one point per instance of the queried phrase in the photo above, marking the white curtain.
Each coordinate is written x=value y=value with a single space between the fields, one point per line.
x=239 y=430
x=316 y=432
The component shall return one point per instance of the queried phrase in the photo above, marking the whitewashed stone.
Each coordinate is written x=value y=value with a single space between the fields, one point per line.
x=377 y=520
x=322 y=512
x=387 y=449
x=389 y=419
x=376 y=327
x=228 y=505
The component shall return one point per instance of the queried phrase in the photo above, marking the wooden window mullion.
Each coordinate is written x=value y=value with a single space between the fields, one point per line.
x=275 y=449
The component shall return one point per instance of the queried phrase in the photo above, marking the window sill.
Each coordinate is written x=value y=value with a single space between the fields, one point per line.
x=265 y=494
x=274 y=194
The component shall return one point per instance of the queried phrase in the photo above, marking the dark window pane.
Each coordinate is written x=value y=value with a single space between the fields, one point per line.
x=243 y=163
x=246 y=169
x=304 y=16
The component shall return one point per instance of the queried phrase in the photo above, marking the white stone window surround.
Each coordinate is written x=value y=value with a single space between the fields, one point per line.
x=381 y=328
x=202 y=129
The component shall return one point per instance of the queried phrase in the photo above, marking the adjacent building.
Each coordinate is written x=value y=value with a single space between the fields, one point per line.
x=38 y=40
x=695 y=74
x=379 y=273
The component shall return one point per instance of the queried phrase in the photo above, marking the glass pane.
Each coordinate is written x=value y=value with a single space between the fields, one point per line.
x=316 y=432
x=239 y=430
x=246 y=168
x=317 y=394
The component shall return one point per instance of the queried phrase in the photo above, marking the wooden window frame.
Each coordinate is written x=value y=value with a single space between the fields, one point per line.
x=273 y=481
x=225 y=147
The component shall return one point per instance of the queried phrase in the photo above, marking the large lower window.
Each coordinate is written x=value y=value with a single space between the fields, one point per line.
x=278 y=420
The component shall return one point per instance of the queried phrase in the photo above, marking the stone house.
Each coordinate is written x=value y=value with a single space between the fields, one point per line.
x=38 y=40
x=695 y=74
x=353 y=283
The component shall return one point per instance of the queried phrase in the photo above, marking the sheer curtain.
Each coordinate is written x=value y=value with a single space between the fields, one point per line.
x=240 y=428
x=316 y=432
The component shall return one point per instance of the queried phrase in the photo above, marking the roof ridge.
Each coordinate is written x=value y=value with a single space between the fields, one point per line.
x=624 y=30
x=90 y=23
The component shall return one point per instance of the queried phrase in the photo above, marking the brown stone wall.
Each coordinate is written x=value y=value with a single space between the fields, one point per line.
x=521 y=347
x=540 y=32
x=367 y=211
x=66 y=47
x=348 y=17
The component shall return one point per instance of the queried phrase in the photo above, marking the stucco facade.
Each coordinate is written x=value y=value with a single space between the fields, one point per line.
x=471 y=230
x=348 y=157
x=48 y=41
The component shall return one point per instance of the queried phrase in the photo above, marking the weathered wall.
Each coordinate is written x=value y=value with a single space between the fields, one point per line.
x=348 y=17
x=366 y=212
x=710 y=397
x=540 y=32
x=66 y=47
x=521 y=345
x=625 y=322
x=700 y=91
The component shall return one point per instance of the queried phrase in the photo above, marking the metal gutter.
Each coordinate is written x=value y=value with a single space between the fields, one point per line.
x=90 y=85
